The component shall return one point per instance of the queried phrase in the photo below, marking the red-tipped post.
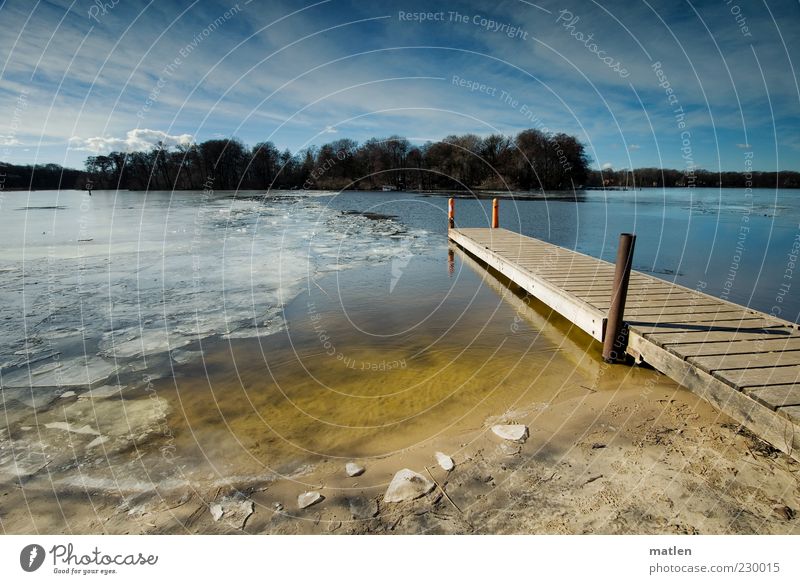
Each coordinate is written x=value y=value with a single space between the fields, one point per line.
x=495 y=213
x=451 y=213
x=615 y=340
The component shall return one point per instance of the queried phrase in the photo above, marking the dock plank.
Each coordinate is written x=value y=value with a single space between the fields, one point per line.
x=747 y=377
x=742 y=334
x=775 y=396
x=747 y=360
x=737 y=347
x=791 y=412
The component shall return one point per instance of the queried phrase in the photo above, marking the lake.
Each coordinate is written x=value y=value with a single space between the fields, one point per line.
x=285 y=327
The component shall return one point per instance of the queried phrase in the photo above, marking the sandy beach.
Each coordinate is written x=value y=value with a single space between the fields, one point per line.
x=598 y=460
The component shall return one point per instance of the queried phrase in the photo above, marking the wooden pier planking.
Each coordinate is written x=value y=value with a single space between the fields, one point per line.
x=745 y=362
x=739 y=347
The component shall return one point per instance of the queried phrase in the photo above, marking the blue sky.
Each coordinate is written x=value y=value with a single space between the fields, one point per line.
x=79 y=78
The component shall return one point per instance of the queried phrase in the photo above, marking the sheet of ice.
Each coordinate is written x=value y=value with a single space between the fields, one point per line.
x=182 y=357
x=77 y=372
x=67 y=427
x=135 y=342
x=102 y=392
x=163 y=270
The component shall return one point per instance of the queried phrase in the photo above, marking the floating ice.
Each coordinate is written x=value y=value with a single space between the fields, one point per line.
x=167 y=270
x=77 y=372
x=67 y=427
x=103 y=392
x=137 y=342
x=183 y=357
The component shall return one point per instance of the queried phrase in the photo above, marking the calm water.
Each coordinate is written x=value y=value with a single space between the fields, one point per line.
x=286 y=327
x=742 y=247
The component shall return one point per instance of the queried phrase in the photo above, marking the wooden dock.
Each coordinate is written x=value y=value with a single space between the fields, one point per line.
x=745 y=362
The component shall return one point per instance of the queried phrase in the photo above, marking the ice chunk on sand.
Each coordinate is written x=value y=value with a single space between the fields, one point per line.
x=353 y=469
x=445 y=461
x=512 y=432
x=308 y=499
x=407 y=485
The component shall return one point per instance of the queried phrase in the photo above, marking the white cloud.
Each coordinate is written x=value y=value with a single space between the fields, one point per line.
x=8 y=140
x=607 y=165
x=329 y=130
x=138 y=139
x=744 y=146
x=633 y=147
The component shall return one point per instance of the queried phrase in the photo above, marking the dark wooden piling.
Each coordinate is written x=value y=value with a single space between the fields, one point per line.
x=615 y=339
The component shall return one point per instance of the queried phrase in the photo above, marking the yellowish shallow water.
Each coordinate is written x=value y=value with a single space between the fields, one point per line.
x=356 y=379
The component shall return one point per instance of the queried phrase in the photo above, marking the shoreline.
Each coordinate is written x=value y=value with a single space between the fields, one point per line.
x=628 y=451
x=597 y=461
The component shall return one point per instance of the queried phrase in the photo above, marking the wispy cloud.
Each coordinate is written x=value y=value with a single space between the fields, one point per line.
x=138 y=139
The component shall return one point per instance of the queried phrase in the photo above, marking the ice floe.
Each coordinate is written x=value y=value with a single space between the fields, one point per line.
x=165 y=271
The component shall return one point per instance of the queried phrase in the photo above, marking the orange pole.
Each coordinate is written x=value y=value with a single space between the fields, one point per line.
x=451 y=213
x=495 y=214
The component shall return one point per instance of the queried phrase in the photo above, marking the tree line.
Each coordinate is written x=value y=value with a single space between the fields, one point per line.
x=14 y=177
x=530 y=161
x=670 y=178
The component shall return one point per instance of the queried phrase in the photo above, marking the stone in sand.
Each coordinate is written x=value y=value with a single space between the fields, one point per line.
x=237 y=511
x=784 y=512
x=362 y=508
x=353 y=469
x=512 y=432
x=216 y=511
x=407 y=485
x=308 y=499
x=445 y=461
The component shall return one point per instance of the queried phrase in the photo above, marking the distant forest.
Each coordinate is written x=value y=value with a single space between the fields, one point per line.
x=529 y=161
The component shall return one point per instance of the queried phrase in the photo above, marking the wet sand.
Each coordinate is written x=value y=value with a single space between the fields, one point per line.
x=612 y=449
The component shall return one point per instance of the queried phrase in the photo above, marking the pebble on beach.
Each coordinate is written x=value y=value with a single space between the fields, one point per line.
x=216 y=511
x=512 y=432
x=353 y=469
x=407 y=485
x=308 y=499
x=445 y=461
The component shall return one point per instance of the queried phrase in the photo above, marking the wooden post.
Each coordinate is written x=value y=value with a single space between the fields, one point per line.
x=451 y=213
x=615 y=339
x=495 y=214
